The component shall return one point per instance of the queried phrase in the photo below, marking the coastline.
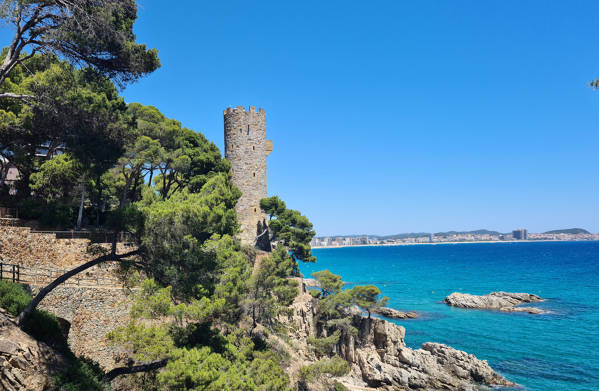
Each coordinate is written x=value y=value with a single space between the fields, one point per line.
x=441 y=243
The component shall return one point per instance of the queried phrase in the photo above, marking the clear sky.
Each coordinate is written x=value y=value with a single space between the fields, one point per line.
x=397 y=116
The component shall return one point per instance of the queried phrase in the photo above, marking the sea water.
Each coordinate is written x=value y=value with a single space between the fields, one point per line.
x=554 y=351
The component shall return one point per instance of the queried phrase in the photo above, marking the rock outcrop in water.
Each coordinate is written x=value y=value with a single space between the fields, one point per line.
x=502 y=301
x=379 y=358
x=395 y=314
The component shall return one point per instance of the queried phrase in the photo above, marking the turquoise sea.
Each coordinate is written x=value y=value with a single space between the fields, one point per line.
x=556 y=351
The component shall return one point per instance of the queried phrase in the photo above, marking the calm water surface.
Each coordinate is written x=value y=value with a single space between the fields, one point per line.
x=556 y=351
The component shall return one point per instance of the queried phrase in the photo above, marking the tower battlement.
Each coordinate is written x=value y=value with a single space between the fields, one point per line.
x=252 y=109
x=246 y=148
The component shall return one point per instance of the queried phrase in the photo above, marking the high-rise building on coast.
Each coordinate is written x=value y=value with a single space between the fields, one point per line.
x=246 y=148
x=520 y=234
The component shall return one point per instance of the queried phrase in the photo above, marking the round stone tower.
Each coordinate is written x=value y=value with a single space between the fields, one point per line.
x=246 y=148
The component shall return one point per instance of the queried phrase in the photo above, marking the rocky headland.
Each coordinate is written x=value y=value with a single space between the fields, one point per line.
x=379 y=358
x=501 y=301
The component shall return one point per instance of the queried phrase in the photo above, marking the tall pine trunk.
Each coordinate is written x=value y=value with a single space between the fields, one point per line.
x=80 y=214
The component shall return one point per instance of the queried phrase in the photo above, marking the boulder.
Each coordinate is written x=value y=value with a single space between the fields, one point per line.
x=395 y=314
x=502 y=301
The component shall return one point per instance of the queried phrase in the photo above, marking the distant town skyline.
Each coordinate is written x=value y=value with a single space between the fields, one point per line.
x=517 y=235
x=454 y=231
x=399 y=116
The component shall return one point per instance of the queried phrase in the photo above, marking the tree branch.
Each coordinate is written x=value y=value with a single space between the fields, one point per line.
x=135 y=369
x=16 y=96
x=24 y=315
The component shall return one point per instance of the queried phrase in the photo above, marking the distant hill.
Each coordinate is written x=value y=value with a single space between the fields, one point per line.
x=419 y=234
x=572 y=231
x=404 y=236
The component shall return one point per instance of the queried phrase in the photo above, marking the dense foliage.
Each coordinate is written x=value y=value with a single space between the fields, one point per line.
x=289 y=228
x=328 y=282
x=82 y=114
x=335 y=312
x=270 y=289
x=198 y=356
x=96 y=34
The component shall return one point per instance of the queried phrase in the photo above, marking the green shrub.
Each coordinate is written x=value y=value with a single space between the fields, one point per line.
x=334 y=366
x=42 y=325
x=13 y=297
x=82 y=374
x=324 y=345
x=314 y=293
x=340 y=387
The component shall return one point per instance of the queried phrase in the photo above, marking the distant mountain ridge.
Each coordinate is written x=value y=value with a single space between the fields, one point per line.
x=476 y=232
x=572 y=231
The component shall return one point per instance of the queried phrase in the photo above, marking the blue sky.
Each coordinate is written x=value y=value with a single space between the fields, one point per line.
x=396 y=116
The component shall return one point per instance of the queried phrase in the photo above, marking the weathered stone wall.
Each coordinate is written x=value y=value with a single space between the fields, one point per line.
x=246 y=148
x=18 y=245
x=91 y=310
x=92 y=313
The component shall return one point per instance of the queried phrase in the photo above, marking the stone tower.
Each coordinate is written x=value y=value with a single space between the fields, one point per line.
x=246 y=148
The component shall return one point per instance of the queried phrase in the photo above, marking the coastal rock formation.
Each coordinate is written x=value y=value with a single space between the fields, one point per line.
x=25 y=363
x=395 y=314
x=379 y=358
x=528 y=310
x=502 y=301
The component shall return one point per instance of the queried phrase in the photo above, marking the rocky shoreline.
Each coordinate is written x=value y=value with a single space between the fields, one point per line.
x=501 y=301
x=379 y=358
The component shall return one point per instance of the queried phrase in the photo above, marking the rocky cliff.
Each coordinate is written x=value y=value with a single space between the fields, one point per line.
x=379 y=358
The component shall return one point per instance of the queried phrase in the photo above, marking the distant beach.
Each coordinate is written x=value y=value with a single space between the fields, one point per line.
x=435 y=243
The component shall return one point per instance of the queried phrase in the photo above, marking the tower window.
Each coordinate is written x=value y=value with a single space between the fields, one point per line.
x=248 y=130
x=255 y=210
x=253 y=147
x=254 y=175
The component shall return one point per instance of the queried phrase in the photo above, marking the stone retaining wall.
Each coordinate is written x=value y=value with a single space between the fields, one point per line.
x=92 y=313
